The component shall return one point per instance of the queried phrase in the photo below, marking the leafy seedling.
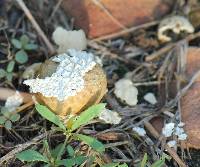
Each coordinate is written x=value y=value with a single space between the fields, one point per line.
x=22 y=46
x=7 y=118
x=20 y=56
x=54 y=157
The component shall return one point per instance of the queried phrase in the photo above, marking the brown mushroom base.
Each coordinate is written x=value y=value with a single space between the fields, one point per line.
x=94 y=90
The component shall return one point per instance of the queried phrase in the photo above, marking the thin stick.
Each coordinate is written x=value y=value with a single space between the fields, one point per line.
x=165 y=49
x=172 y=152
x=99 y=4
x=25 y=106
x=54 y=10
x=21 y=147
x=126 y=31
x=36 y=26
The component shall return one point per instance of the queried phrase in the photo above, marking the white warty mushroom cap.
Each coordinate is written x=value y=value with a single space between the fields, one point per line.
x=68 y=79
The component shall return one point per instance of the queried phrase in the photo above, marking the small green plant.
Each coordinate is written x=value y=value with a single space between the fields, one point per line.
x=7 y=118
x=8 y=73
x=68 y=129
x=53 y=158
x=115 y=165
x=21 y=47
x=158 y=163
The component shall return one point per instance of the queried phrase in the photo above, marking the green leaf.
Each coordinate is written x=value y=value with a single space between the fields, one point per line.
x=30 y=156
x=24 y=39
x=4 y=110
x=2 y=73
x=10 y=66
x=70 y=151
x=87 y=115
x=9 y=76
x=2 y=120
x=56 y=150
x=47 y=114
x=15 y=117
x=30 y=46
x=62 y=149
x=115 y=165
x=8 y=124
x=144 y=160
x=72 y=161
x=92 y=142
x=6 y=113
x=111 y=165
x=158 y=163
x=16 y=43
x=21 y=57
x=123 y=165
x=47 y=151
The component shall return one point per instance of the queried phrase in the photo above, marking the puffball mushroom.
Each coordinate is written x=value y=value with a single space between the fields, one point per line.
x=65 y=39
x=177 y=24
x=126 y=91
x=69 y=83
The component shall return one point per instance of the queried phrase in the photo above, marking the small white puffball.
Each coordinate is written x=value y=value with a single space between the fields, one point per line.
x=150 y=97
x=168 y=129
x=75 y=39
x=177 y=24
x=14 y=101
x=171 y=143
x=126 y=91
x=110 y=117
x=180 y=133
x=139 y=131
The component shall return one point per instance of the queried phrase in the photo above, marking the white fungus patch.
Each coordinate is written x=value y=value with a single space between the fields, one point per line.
x=75 y=39
x=14 y=101
x=176 y=24
x=126 y=91
x=68 y=79
x=171 y=143
x=180 y=133
x=150 y=97
x=110 y=117
x=168 y=129
x=139 y=131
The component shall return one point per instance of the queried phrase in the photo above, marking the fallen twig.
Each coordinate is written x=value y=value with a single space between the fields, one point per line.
x=126 y=31
x=165 y=49
x=21 y=147
x=36 y=26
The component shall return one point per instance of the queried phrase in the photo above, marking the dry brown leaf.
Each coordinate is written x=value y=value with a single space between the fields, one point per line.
x=110 y=136
x=190 y=106
x=103 y=17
